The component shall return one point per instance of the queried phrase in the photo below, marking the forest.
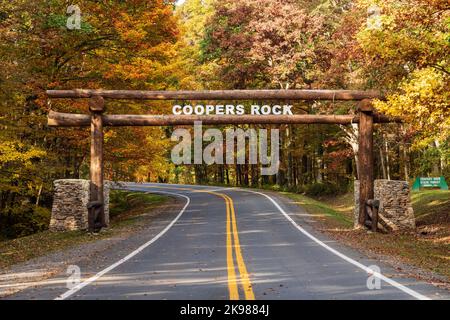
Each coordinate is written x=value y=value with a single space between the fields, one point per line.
x=400 y=47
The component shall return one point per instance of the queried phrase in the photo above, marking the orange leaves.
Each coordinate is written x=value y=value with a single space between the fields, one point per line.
x=145 y=43
x=145 y=28
x=129 y=30
x=274 y=43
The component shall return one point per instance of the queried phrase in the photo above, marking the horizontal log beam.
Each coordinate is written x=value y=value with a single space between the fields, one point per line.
x=57 y=119
x=220 y=94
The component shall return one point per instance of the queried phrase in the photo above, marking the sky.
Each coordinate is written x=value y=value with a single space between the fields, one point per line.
x=180 y=2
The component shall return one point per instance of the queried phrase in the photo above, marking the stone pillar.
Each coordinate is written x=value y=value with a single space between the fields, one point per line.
x=395 y=203
x=69 y=210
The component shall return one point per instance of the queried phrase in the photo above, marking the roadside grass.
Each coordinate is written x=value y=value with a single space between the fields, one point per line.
x=126 y=206
x=427 y=247
x=320 y=209
x=431 y=206
x=125 y=210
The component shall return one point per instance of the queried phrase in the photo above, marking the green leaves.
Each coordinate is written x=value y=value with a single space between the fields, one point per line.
x=57 y=21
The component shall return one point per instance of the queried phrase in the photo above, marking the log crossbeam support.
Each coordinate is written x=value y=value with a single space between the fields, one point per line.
x=58 y=119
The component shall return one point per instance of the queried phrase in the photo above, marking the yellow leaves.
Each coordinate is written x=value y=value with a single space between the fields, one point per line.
x=147 y=45
x=424 y=104
x=137 y=151
x=408 y=37
x=15 y=151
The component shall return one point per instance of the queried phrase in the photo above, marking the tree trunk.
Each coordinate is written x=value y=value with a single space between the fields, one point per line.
x=405 y=162
x=383 y=166
x=39 y=194
x=388 y=167
x=442 y=160
x=351 y=137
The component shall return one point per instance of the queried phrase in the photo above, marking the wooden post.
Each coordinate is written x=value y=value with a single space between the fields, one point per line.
x=372 y=207
x=96 y=212
x=365 y=170
x=374 y=219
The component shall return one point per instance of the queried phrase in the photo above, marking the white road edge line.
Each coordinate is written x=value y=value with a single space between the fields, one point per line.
x=132 y=254
x=348 y=259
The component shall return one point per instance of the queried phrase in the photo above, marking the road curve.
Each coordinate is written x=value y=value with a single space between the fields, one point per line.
x=229 y=243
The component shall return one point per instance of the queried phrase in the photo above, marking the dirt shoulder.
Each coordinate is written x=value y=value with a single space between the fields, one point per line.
x=422 y=253
x=26 y=261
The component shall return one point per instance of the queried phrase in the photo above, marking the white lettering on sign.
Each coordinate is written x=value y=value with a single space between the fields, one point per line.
x=430 y=182
x=230 y=109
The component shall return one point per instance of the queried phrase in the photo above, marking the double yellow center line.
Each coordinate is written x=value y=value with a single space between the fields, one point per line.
x=232 y=242
x=233 y=237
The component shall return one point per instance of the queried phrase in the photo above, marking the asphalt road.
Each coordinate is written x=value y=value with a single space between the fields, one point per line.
x=228 y=243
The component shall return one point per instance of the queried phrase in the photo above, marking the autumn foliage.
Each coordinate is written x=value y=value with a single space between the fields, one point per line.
x=208 y=44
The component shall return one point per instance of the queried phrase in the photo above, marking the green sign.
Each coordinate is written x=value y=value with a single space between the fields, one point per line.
x=430 y=182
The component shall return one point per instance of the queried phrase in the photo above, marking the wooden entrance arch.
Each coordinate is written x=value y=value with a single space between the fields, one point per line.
x=366 y=117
